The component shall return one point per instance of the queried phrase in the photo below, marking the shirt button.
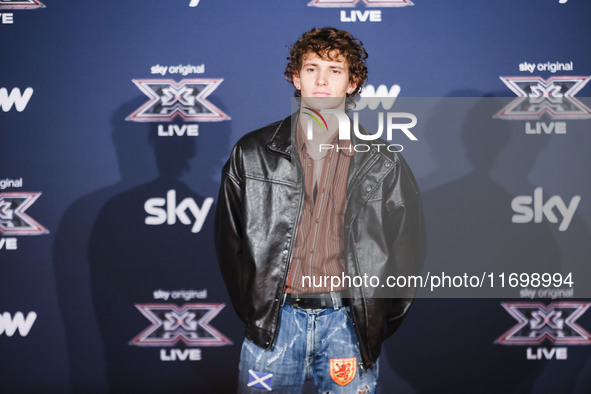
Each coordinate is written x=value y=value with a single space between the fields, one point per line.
x=312 y=251
x=368 y=188
x=285 y=251
x=317 y=220
x=309 y=164
x=293 y=204
x=388 y=164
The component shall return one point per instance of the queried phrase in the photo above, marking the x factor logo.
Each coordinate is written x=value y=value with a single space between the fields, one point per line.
x=171 y=324
x=553 y=96
x=13 y=219
x=186 y=98
x=536 y=322
x=20 y=4
x=353 y=3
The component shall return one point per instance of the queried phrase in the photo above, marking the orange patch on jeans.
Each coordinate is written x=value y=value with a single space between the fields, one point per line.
x=343 y=370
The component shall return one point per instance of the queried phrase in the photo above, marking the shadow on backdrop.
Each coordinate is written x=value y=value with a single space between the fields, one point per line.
x=124 y=261
x=447 y=345
x=70 y=252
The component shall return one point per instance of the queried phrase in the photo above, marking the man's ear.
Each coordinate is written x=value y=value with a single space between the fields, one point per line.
x=296 y=80
x=352 y=86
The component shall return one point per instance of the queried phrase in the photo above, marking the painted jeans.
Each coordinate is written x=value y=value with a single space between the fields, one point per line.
x=317 y=344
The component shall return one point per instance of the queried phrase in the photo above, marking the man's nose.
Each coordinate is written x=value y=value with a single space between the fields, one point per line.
x=321 y=78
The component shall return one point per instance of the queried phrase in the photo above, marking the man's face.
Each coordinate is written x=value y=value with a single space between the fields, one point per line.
x=323 y=83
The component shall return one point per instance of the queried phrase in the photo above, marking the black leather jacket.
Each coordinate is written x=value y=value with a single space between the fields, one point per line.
x=258 y=211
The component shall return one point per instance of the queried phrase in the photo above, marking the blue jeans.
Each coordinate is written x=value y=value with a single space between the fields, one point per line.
x=317 y=344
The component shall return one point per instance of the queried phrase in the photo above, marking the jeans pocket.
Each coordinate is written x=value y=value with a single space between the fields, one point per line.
x=348 y=314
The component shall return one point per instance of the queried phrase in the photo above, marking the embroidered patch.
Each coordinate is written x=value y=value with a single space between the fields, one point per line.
x=343 y=370
x=260 y=380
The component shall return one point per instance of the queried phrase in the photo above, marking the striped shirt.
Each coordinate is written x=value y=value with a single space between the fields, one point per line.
x=319 y=246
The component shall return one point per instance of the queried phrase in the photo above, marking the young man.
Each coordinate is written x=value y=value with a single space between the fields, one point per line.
x=290 y=208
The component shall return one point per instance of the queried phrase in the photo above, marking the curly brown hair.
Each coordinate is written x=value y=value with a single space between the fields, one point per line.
x=330 y=44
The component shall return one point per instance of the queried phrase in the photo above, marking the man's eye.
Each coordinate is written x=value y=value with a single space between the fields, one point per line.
x=310 y=69
x=336 y=71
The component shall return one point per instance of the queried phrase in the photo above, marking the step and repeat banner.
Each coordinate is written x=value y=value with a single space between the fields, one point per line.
x=117 y=117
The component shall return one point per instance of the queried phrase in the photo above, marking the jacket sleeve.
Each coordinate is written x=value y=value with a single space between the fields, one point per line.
x=229 y=227
x=406 y=227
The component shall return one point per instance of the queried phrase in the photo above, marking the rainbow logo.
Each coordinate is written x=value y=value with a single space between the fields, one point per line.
x=315 y=118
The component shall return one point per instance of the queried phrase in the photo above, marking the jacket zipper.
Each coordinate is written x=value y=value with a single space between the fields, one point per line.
x=290 y=252
x=362 y=346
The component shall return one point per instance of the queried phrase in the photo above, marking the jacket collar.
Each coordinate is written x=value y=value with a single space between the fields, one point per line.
x=283 y=140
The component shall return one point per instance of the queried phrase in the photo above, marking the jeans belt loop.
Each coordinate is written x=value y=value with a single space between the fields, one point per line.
x=336 y=302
